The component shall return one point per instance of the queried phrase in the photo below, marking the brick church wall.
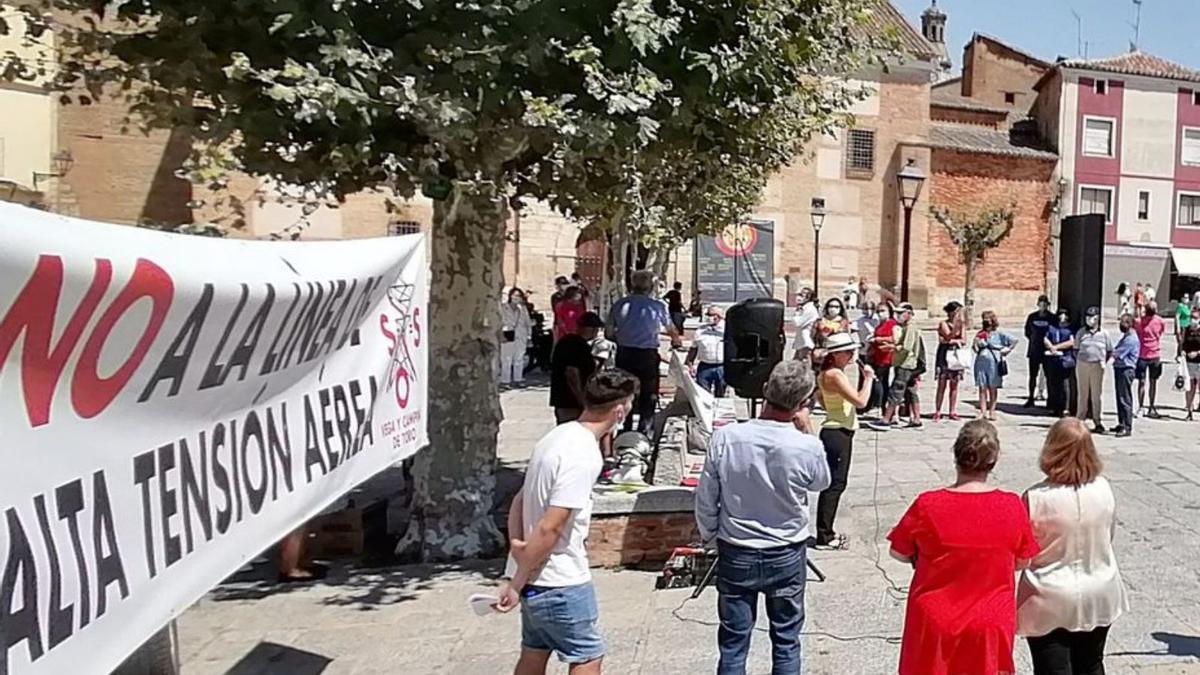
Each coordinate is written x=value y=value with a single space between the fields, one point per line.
x=1013 y=274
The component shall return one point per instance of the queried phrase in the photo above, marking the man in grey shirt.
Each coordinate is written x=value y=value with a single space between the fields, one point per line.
x=1093 y=348
x=753 y=499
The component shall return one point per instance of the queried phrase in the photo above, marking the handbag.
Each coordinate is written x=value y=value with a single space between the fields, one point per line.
x=959 y=358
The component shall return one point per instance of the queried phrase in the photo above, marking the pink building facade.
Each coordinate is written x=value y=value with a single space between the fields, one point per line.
x=1127 y=130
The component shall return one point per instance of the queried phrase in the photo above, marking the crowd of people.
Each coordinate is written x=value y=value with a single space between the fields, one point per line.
x=752 y=497
x=752 y=506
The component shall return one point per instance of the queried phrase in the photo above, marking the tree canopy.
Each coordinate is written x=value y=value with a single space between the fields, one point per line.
x=476 y=103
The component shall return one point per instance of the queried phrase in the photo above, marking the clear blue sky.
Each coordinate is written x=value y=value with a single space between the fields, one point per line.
x=1047 y=29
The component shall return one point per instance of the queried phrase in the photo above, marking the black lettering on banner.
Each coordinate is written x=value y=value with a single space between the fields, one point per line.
x=327 y=429
x=335 y=326
x=174 y=363
x=271 y=357
x=312 y=449
x=109 y=568
x=281 y=453
x=359 y=415
x=21 y=625
x=143 y=471
x=195 y=489
x=61 y=619
x=69 y=497
x=214 y=375
x=336 y=290
x=366 y=429
x=221 y=479
x=244 y=350
x=360 y=312
x=235 y=479
x=305 y=323
x=252 y=431
x=168 y=506
x=341 y=413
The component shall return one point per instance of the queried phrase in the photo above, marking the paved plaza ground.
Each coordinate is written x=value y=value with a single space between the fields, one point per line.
x=415 y=620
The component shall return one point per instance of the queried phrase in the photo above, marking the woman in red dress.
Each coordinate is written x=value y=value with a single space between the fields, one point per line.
x=567 y=313
x=965 y=543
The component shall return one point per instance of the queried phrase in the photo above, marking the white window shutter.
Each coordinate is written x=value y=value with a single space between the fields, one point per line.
x=1191 y=146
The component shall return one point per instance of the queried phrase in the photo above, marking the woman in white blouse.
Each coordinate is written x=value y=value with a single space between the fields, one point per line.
x=1072 y=591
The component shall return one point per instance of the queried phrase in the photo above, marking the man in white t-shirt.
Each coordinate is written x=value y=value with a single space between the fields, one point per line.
x=807 y=315
x=548 y=523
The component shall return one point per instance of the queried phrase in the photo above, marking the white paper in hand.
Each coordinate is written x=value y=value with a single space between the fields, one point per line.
x=482 y=603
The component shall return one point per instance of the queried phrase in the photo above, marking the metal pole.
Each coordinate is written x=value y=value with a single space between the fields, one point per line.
x=904 y=265
x=816 y=263
x=737 y=253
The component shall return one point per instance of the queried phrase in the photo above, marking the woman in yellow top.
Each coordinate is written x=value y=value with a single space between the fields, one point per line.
x=841 y=403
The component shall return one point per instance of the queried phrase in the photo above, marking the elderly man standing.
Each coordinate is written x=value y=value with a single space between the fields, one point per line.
x=707 y=355
x=753 y=498
x=634 y=324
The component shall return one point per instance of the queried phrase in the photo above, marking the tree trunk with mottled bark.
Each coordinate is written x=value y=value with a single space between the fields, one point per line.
x=455 y=478
x=969 y=291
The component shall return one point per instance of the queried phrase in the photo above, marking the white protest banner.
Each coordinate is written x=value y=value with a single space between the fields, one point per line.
x=172 y=405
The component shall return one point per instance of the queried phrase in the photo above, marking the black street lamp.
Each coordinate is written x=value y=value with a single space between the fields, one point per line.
x=910 y=180
x=818 y=219
x=62 y=162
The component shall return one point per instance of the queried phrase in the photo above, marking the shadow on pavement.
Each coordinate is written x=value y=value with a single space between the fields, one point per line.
x=268 y=657
x=1176 y=645
x=363 y=589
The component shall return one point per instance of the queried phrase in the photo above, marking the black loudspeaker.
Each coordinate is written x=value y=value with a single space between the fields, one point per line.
x=754 y=343
x=1081 y=265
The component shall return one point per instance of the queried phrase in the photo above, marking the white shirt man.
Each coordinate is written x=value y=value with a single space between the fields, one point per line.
x=548 y=522
x=807 y=316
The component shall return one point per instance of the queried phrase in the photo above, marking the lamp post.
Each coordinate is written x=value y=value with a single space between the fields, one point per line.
x=818 y=219
x=62 y=161
x=910 y=180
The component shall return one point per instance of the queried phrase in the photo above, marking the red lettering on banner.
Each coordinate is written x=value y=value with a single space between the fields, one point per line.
x=90 y=393
x=33 y=314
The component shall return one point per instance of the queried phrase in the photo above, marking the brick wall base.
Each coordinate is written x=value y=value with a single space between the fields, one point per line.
x=634 y=539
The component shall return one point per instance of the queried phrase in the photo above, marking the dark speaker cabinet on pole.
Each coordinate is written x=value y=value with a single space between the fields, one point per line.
x=1081 y=264
x=754 y=343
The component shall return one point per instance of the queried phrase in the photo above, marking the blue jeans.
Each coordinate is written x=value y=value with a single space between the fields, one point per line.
x=744 y=573
x=711 y=376
x=562 y=620
x=1124 y=386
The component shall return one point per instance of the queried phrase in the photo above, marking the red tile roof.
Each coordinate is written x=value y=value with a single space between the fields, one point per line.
x=1136 y=63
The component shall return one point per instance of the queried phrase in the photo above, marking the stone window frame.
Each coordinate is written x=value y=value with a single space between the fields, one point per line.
x=399 y=228
x=1195 y=224
x=865 y=166
x=1112 y=136
x=1112 y=196
x=1143 y=218
x=1183 y=141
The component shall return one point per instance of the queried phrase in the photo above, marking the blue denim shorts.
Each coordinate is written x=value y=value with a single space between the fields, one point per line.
x=562 y=620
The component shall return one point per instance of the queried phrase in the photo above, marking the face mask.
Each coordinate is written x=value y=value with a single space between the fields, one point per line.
x=1062 y=321
x=1093 y=321
x=833 y=311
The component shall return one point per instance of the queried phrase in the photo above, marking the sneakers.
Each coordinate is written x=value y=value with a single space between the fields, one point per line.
x=1028 y=403
x=1099 y=429
x=838 y=543
x=1154 y=414
x=1120 y=432
x=879 y=425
